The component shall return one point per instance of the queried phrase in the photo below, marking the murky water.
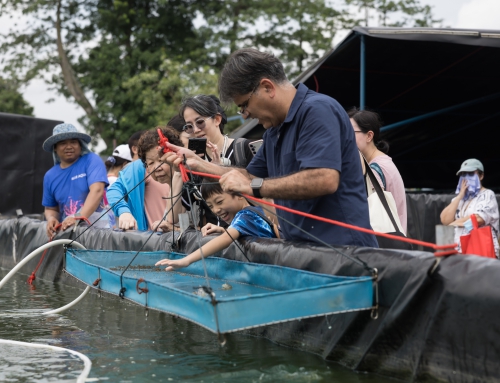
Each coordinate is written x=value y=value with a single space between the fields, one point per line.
x=126 y=346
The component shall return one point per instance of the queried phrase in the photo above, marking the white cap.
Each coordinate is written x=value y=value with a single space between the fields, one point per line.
x=122 y=151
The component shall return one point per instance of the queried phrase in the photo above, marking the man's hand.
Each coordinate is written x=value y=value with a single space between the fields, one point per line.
x=210 y=228
x=68 y=221
x=52 y=222
x=235 y=182
x=127 y=222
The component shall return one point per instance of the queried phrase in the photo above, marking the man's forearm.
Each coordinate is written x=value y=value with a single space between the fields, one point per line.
x=309 y=183
x=91 y=203
x=49 y=213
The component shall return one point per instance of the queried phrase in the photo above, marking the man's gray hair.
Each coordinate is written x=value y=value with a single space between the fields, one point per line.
x=244 y=69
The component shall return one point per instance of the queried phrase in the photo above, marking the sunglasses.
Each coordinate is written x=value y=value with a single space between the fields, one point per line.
x=200 y=124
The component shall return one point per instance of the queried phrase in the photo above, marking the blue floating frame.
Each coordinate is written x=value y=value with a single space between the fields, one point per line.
x=259 y=295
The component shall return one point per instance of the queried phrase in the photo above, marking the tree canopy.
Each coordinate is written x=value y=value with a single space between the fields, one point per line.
x=129 y=63
x=11 y=100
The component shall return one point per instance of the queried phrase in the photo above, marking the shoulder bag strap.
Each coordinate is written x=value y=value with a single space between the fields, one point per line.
x=380 y=194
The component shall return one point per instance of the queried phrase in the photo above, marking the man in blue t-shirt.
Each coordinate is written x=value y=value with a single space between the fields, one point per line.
x=309 y=160
x=76 y=184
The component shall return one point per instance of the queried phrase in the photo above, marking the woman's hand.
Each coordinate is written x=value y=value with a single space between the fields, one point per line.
x=210 y=228
x=126 y=221
x=215 y=153
x=163 y=226
x=463 y=188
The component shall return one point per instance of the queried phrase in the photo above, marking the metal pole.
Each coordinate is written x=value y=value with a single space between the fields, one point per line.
x=440 y=111
x=362 y=74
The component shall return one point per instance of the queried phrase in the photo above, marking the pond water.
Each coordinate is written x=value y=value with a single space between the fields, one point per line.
x=126 y=346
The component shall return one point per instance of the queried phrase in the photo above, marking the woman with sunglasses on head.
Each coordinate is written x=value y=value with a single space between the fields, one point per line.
x=205 y=118
x=472 y=198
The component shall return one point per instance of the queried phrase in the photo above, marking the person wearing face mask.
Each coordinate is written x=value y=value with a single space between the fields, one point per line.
x=472 y=198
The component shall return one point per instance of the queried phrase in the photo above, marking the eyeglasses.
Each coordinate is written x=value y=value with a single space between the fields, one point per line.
x=243 y=107
x=358 y=131
x=200 y=124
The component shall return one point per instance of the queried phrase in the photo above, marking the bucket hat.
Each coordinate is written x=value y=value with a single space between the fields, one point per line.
x=63 y=132
x=471 y=165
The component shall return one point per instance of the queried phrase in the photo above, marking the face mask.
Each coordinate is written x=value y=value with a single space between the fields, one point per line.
x=473 y=186
x=468 y=225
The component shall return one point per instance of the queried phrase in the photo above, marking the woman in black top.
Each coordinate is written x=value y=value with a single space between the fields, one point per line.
x=205 y=118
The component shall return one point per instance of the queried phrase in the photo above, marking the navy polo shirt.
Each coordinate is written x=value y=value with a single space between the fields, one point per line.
x=317 y=133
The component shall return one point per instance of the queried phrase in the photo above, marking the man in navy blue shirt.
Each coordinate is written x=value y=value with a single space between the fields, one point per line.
x=309 y=160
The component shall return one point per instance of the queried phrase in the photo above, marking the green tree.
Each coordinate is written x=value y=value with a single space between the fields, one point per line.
x=406 y=13
x=11 y=100
x=298 y=30
x=88 y=49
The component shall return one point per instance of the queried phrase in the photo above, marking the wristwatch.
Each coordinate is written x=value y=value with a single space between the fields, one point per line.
x=256 y=184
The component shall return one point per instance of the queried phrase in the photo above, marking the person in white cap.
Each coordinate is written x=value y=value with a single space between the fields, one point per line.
x=121 y=157
x=76 y=184
x=472 y=198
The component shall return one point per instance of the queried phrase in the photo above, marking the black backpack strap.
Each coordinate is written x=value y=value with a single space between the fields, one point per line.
x=239 y=152
x=268 y=221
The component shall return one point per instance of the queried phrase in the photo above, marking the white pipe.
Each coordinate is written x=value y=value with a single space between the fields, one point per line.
x=87 y=364
x=36 y=252
x=69 y=305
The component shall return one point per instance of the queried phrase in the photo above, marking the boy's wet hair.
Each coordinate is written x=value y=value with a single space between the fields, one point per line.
x=209 y=187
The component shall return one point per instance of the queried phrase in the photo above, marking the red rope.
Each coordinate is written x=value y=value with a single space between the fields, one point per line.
x=450 y=249
x=32 y=277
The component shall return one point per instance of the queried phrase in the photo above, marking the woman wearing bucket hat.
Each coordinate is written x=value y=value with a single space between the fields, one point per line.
x=472 y=198
x=75 y=185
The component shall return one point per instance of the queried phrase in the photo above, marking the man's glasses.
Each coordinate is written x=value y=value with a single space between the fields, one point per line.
x=244 y=106
x=200 y=124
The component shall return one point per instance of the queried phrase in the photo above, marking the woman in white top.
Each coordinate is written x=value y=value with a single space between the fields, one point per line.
x=472 y=198
x=366 y=125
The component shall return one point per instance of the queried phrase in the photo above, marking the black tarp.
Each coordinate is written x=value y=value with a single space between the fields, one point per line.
x=437 y=321
x=411 y=72
x=24 y=162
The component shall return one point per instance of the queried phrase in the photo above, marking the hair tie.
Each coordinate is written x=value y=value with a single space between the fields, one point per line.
x=111 y=160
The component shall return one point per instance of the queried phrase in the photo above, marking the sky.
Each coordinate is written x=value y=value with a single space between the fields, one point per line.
x=480 y=14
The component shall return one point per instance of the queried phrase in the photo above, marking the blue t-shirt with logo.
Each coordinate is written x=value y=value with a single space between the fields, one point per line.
x=68 y=188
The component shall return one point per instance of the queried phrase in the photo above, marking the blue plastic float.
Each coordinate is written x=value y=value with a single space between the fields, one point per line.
x=240 y=295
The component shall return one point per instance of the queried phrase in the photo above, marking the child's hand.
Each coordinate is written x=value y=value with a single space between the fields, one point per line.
x=210 y=228
x=173 y=264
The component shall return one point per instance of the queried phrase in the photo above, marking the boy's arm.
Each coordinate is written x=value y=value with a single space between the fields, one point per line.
x=210 y=248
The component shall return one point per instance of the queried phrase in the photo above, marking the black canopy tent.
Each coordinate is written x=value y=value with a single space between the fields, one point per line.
x=437 y=90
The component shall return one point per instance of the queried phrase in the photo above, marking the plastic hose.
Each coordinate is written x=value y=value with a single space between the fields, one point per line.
x=87 y=364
